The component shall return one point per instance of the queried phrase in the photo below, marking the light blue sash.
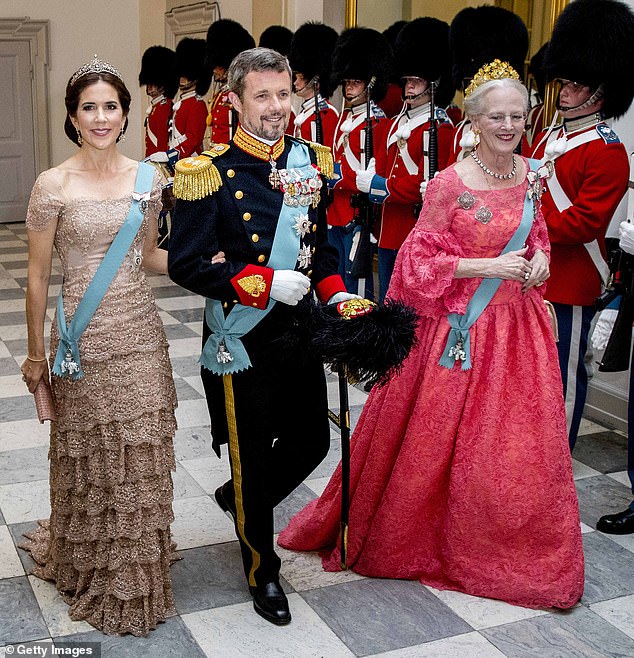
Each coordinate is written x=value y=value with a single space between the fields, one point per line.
x=223 y=352
x=67 y=362
x=458 y=346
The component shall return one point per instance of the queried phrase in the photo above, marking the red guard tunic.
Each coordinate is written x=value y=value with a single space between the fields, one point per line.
x=534 y=123
x=188 y=125
x=306 y=127
x=455 y=150
x=157 y=125
x=403 y=161
x=594 y=177
x=392 y=102
x=219 y=117
x=349 y=157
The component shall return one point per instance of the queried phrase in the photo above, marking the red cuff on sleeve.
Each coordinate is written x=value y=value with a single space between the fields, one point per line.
x=253 y=285
x=327 y=287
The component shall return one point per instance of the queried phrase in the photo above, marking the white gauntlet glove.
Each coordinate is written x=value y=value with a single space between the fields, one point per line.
x=342 y=297
x=603 y=328
x=626 y=235
x=423 y=189
x=159 y=156
x=365 y=176
x=289 y=286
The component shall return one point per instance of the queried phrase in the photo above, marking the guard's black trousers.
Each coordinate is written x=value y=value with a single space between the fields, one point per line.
x=276 y=416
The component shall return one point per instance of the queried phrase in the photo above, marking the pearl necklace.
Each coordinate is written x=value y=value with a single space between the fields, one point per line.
x=486 y=170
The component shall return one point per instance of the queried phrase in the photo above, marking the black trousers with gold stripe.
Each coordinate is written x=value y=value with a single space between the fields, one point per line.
x=275 y=416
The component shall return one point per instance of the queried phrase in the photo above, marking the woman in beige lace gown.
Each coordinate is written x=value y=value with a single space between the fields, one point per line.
x=107 y=545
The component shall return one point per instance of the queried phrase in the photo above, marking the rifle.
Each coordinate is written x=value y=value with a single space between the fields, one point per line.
x=432 y=147
x=361 y=267
x=432 y=156
x=319 y=130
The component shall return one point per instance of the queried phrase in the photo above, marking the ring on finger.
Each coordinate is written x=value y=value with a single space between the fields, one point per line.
x=527 y=276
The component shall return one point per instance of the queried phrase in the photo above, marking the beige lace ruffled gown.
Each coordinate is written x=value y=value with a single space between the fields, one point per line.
x=107 y=545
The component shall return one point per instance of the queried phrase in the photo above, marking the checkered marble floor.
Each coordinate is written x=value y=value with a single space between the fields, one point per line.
x=334 y=615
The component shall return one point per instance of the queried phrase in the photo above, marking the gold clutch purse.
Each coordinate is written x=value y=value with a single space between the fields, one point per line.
x=44 y=402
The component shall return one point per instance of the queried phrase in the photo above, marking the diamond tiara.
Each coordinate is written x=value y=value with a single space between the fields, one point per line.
x=95 y=66
x=496 y=70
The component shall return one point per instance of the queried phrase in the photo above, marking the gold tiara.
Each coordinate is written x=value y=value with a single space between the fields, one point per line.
x=95 y=66
x=496 y=70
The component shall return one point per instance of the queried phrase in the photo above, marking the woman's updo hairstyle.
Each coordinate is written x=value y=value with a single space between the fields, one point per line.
x=76 y=86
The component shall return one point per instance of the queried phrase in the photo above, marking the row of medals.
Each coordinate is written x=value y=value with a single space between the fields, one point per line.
x=297 y=191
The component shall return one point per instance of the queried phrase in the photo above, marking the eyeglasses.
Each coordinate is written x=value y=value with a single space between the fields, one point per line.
x=498 y=118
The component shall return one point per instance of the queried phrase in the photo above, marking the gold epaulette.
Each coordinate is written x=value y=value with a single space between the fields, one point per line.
x=198 y=176
x=324 y=159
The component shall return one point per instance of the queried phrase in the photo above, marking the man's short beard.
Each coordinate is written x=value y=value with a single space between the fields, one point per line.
x=261 y=131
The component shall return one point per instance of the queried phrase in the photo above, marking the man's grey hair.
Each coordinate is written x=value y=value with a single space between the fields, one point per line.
x=476 y=103
x=255 y=59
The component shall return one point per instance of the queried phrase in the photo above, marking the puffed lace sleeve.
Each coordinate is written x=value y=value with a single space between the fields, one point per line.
x=424 y=270
x=45 y=203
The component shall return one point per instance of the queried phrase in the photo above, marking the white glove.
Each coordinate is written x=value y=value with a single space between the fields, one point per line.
x=364 y=177
x=289 y=286
x=603 y=328
x=423 y=189
x=626 y=235
x=342 y=297
x=159 y=156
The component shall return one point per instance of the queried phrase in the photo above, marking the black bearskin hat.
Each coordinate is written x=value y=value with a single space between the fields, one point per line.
x=157 y=68
x=593 y=43
x=226 y=38
x=536 y=69
x=311 y=53
x=390 y=33
x=422 y=50
x=361 y=53
x=277 y=37
x=190 y=63
x=478 y=35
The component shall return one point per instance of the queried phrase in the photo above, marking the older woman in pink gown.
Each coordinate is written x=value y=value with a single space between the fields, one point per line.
x=462 y=477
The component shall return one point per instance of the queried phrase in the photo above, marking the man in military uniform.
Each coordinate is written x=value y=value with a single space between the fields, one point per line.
x=596 y=82
x=258 y=199
x=225 y=39
x=159 y=77
x=311 y=58
x=478 y=36
x=403 y=159
x=361 y=65
x=188 y=121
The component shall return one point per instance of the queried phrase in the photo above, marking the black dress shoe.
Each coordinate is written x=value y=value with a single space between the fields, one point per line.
x=270 y=602
x=228 y=507
x=617 y=524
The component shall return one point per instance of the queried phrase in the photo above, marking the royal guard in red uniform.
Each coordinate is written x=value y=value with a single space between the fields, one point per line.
x=159 y=77
x=226 y=38
x=311 y=59
x=361 y=64
x=188 y=121
x=404 y=160
x=591 y=58
x=478 y=36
